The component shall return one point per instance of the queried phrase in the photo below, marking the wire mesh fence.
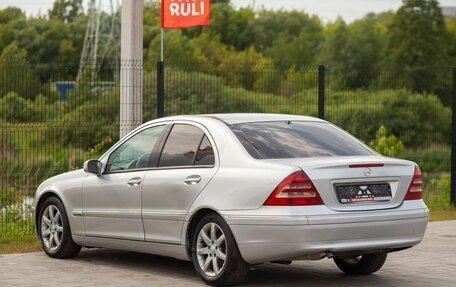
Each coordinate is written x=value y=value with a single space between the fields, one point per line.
x=395 y=113
x=53 y=117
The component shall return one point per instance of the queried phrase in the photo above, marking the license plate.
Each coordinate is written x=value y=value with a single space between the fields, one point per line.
x=347 y=194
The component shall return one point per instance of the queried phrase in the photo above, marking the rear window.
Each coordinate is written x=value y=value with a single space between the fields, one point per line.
x=274 y=140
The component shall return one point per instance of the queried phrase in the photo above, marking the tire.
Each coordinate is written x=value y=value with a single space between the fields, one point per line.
x=53 y=222
x=361 y=265
x=231 y=271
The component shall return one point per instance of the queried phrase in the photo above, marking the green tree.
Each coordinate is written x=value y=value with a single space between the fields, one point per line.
x=10 y=13
x=365 y=48
x=178 y=48
x=451 y=25
x=354 y=51
x=335 y=46
x=298 y=51
x=264 y=30
x=66 y=10
x=419 y=39
x=231 y=25
x=16 y=74
x=9 y=25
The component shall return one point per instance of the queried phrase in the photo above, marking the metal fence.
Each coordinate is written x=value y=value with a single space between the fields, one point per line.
x=54 y=116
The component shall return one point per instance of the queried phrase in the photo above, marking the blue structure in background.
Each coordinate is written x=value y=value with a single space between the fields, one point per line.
x=64 y=88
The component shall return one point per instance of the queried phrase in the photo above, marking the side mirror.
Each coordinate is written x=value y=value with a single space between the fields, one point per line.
x=93 y=166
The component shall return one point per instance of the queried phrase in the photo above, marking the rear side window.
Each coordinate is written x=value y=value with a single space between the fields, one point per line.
x=181 y=146
x=275 y=140
x=205 y=155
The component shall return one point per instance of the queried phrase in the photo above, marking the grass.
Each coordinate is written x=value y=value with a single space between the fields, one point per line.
x=443 y=214
x=19 y=244
x=17 y=230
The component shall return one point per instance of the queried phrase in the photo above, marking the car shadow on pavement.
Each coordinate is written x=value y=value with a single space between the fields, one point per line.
x=310 y=273
x=139 y=262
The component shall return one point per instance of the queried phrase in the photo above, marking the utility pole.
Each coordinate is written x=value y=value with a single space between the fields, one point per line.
x=131 y=66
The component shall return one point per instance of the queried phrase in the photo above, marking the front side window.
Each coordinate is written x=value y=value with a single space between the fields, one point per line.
x=275 y=140
x=181 y=146
x=135 y=152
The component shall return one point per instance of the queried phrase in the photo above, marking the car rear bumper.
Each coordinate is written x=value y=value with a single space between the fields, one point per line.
x=263 y=237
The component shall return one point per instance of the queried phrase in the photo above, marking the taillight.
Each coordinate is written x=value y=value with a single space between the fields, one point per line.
x=415 y=190
x=296 y=189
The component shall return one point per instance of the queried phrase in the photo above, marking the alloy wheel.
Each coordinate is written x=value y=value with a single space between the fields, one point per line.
x=211 y=249
x=52 y=228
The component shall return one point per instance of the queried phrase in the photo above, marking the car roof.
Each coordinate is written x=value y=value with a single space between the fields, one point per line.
x=246 y=118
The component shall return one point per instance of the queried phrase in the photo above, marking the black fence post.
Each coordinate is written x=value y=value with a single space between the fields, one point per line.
x=453 y=143
x=160 y=89
x=321 y=91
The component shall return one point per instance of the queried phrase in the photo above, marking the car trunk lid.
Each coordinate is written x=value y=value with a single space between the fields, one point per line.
x=357 y=183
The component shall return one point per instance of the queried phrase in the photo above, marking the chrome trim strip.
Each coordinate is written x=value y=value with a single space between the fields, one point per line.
x=163 y=215
x=133 y=214
x=159 y=168
x=129 y=214
x=76 y=212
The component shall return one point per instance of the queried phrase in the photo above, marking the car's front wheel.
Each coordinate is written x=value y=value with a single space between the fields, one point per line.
x=54 y=230
x=362 y=264
x=215 y=254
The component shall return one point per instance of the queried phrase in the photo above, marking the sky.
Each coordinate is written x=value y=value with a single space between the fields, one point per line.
x=328 y=10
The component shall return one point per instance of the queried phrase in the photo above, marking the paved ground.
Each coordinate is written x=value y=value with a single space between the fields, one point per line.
x=432 y=263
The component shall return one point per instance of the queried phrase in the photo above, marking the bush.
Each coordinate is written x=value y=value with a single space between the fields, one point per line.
x=435 y=158
x=8 y=149
x=387 y=145
x=100 y=148
x=194 y=93
x=17 y=74
x=437 y=192
x=87 y=124
x=8 y=197
x=16 y=220
x=14 y=108
x=414 y=118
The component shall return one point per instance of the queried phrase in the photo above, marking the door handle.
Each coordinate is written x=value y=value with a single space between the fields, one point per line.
x=193 y=179
x=134 y=181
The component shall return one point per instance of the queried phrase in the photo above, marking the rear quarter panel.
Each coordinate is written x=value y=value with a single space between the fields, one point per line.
x=241 y=182
x=241 y=188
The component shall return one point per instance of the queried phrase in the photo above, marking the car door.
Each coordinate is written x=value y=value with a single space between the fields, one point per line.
x=185 y=166
x=112 y=200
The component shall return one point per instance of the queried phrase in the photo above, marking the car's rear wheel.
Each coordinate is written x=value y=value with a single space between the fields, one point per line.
x=362 y=264
x=54 y=230
x=215 y=254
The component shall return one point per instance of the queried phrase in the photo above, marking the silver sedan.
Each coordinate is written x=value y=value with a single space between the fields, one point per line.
x=231 y=190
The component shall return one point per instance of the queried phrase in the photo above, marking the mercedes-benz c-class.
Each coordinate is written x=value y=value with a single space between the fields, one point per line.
x=228 y=191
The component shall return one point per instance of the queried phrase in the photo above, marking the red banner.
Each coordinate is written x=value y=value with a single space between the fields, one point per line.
x=185 y=13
